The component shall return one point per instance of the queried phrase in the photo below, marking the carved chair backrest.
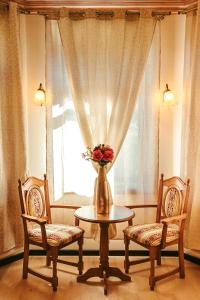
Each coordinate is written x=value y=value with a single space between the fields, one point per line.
x=34 y=198
x=172 y=197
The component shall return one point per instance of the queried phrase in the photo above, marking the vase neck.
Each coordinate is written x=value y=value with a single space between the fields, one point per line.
x=102 y=172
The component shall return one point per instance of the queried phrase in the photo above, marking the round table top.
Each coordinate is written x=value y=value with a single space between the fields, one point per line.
x=116 y=214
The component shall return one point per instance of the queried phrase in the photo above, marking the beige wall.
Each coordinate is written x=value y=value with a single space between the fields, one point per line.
x=35 y=68
x=172 y=32
x=172 y=56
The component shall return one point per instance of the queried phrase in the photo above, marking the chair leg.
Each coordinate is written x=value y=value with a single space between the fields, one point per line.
x=80 y=261
x=181 y=259
x=152 y=256
x=158 y=257
x=26 y=259
x=55 y=278
x=48 y=259
x=126 y=261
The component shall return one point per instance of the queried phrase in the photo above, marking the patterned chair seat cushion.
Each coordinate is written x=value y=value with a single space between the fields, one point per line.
x=150 y=234
x=57 y=234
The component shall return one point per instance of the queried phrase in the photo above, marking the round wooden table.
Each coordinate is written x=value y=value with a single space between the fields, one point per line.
x=116 y=214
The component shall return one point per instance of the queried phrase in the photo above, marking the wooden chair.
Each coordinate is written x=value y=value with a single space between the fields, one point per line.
x=39 y=230
x=167 y=230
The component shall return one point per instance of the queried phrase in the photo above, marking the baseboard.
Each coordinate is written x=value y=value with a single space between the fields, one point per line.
x=19 y=256
x=96 y=253
x=7 y=260
x=194 y=259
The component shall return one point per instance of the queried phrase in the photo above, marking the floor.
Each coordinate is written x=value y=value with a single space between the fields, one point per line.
x=13 y=287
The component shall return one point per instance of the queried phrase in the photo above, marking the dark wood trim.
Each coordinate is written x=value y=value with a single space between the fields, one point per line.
x=191 y=258
x=3 y=2
x=10 y=259
x=19 y=256
x=51 y=8
x=173 y=5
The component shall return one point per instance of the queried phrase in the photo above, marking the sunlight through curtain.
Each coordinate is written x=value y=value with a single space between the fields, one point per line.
x=105 y=60
x=135 y=173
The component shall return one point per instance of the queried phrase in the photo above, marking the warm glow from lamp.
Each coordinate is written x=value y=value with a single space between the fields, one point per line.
x=40 y=98
x=168 y=96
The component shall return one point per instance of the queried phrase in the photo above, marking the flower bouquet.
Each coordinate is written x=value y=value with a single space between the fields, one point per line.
x=102 y=154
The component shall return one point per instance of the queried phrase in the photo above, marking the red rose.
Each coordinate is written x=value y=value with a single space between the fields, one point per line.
x=97 y=155
x=108 y=155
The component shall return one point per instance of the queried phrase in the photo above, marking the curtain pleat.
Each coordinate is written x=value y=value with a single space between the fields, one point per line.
x=191 y=126
x=12 y=130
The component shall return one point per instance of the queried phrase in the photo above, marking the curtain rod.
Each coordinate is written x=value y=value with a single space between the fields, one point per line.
x=102 y=13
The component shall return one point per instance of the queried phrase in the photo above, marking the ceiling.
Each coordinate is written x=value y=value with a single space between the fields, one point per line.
x=158 y=4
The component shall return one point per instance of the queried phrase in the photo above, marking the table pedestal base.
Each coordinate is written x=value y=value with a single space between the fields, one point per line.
x=103 y=274
x=116 y=215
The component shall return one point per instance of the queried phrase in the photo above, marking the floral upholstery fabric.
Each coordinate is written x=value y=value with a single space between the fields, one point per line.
x=150 y=234
x=172 y=202
x=57 y=235
x=35 y=202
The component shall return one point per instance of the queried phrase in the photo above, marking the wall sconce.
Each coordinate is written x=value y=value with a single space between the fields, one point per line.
x=168 y=96
x=40 y=97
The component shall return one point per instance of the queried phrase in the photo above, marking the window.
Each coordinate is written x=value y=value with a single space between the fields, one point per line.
x=135 y=170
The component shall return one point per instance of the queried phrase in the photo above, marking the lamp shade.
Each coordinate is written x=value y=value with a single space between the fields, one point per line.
x=40 y=97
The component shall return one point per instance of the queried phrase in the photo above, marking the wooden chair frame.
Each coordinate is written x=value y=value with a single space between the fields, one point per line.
x=52 y=251
x=155 y=251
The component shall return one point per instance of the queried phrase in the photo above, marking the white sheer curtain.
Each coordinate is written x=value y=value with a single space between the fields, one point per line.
x=191 y=125
x=135 y=173
x=105 y=60
x=137 y=166
x=67 y=170
x=12 y=131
